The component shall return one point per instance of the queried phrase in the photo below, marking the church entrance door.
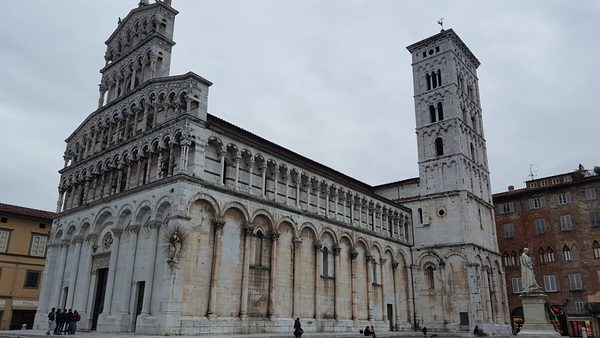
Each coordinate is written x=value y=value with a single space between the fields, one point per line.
x=99 y=296
x=139 y=300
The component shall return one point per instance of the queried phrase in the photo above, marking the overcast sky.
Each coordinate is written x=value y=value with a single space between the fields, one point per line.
x=330 y=80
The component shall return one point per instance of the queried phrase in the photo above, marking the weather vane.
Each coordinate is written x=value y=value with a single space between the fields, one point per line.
x=441 y=22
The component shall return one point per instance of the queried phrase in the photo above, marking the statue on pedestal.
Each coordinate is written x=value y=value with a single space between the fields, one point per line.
x=527 y=274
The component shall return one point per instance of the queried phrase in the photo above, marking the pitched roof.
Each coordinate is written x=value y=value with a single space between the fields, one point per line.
x=17 y=210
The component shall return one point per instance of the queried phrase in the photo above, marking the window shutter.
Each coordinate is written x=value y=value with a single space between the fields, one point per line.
x=531 y=204
x=542 y=201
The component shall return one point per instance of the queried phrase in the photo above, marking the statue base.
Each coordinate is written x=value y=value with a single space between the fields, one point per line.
x=536 y=320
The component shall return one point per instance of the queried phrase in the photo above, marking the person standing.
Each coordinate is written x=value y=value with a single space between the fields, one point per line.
x=59 y=321
x=425 y=331
x=68 y=321
x=298 y=328
x=76 y=318
x=373 y=332
x=51 y=321
x=584 y=332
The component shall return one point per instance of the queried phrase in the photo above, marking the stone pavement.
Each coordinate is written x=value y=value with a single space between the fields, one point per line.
x=40 y=333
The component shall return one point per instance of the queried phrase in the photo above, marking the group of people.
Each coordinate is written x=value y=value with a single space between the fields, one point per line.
x=62 y=322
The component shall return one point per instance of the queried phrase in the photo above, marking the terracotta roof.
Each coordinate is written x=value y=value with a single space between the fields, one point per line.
x=17 y=210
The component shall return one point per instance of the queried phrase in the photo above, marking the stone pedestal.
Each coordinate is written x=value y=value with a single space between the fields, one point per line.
x=536 y=319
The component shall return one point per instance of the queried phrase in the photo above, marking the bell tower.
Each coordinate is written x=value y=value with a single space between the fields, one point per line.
x=452 y=155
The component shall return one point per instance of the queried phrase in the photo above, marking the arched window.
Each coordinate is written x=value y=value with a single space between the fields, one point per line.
x=439 y=77
x=429 y=277
x=224 y=173
x=515 y=258
x=542 y=255
x=375 y=274
x=440 y=111
x=258 y=248
x=428 y=81
x=472 y=152
x=567 y=254
x=434 y=80
x=474 y=123
x=432 y=113
x=439 y=146
x=596 y=248
x=420 y=211
x=325 y=261
x=549 y=255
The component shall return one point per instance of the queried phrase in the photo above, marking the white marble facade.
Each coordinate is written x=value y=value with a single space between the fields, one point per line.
x=173 y=221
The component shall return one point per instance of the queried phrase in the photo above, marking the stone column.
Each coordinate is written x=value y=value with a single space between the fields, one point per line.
x=119 y=179
x=318 y=285
x=74 y=271
x=273 y=275
x=264 y=180
x=84 y=281
x=370 y=261
x=250 y=175
x=298 y=192
x=396 y=280
x=327 y=193
x=223 y=174
x=170 y=160
x=383 y=302
x=128 y=284
x=128 y=176
x=297 y=267
x=60 y=271
x=236 y=160
x=338 y=287
x=153 y=239
x=218 y=225
x=159 y=164
x=246 y=271
x=59 y=202
x=138 y=172
x=112 y=270
x=148 y=168
x=46 y=291
x=275 y=175
x=353 y=255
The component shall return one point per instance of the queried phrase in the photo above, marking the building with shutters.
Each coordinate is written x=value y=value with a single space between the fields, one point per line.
x=558 y=219
x=23 y=237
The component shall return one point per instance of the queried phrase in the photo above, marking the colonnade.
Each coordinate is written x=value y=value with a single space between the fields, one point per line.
x=146 y=167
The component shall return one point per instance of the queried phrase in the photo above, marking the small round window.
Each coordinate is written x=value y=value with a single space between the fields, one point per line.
x=107 y=241
x=441 y=212
x=430 y=51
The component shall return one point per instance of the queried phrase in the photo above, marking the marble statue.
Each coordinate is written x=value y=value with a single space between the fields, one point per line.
x=527 y=274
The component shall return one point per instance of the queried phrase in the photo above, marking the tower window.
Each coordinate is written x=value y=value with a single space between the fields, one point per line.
x=428 y=81
x=439 y=147
x=440 y=111
x=439 y=77
x=472 y=152
x=429 y=277
x=420 y=211
x=432 y=113
x=434 y=80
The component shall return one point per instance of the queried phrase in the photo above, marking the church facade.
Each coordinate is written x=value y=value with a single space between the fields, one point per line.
x=174 y=221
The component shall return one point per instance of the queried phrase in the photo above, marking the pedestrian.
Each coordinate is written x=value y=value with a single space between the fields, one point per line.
x=68 y=322
x=298 y=328
x=584 y=332
x=425 y=331
x=367 y=331
x=59 y=321
x=373 y=332
x=76 y=318
x=476 y=331
x=51 y=321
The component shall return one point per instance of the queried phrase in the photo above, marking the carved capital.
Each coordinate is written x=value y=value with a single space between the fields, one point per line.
x=218 y=223
x=247 y=229
x=395 y=265
x=135 y=228
x=353 y=253
x=297 y=239
x=154 y=224
x=78 y=239
x=336 y=250
x=117 y=232
x=382 y=261
x=319 y=245
x=275 y=236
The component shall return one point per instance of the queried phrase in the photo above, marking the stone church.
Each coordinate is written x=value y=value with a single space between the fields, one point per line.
x=174 y=221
